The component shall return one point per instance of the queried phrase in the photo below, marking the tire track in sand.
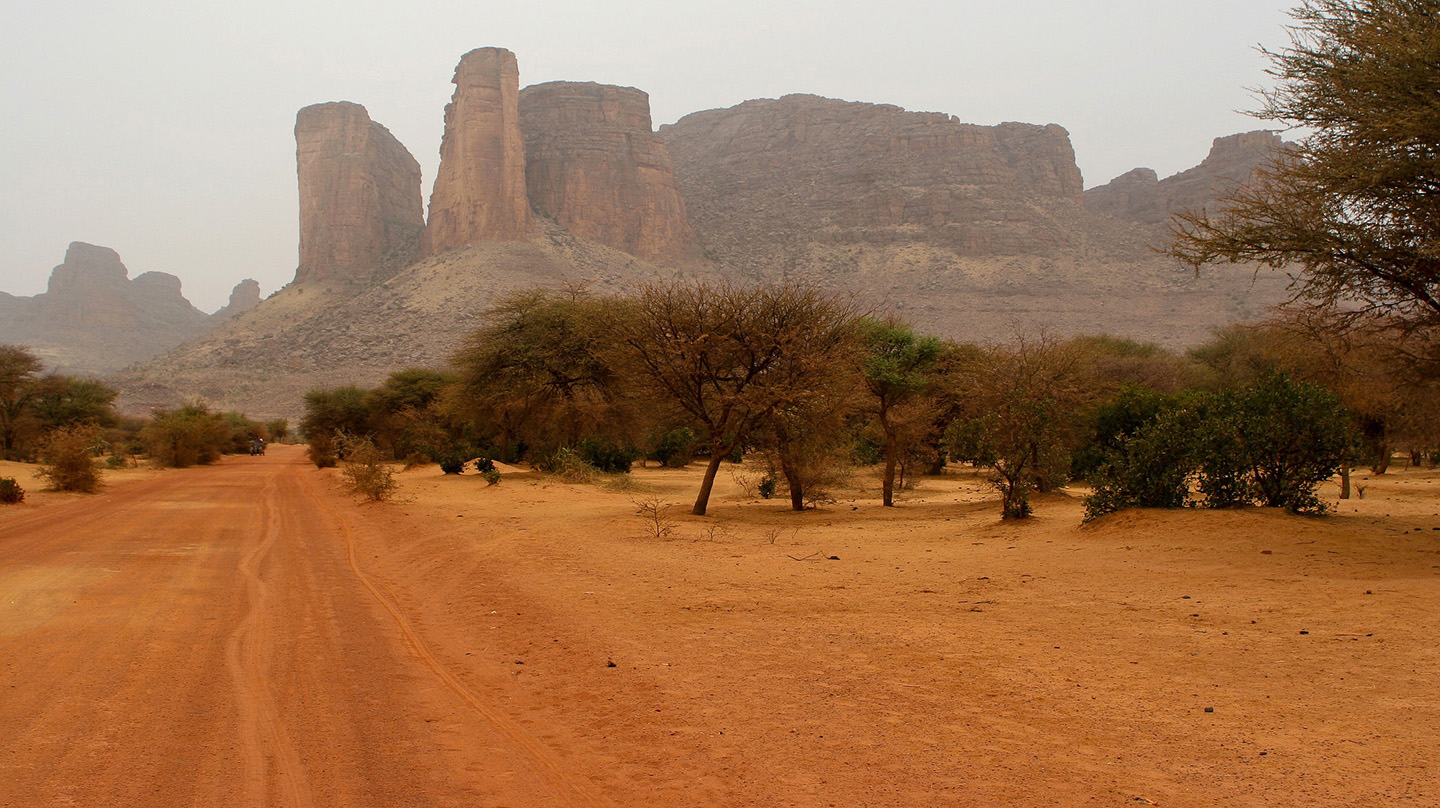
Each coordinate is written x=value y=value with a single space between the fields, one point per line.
x=562 y=785
x=263 y=738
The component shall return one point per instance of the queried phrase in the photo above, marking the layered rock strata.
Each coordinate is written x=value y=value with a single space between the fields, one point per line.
x=852 y=173
x=479 y=190
x=360 y=214
x=594 y=164
x=1141 y=196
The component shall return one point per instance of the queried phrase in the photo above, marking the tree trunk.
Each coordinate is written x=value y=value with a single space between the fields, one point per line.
x=1382 y=462
x=1345 y=480
x=792 y=476
x=888 y=485
x=702 y=502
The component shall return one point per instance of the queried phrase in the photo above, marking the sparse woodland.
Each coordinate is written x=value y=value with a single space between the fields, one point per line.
x=809 y=388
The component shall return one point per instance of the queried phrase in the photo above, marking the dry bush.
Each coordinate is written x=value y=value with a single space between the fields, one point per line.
x=655 y=513
x=68 y=457
x=748 y=480
x=10 y=491
x=366 y=472
x=569 y=467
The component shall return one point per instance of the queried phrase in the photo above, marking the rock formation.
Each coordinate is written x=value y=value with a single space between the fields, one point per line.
x=853 y=173
x=593 y=163
x=244 y=297
x=480 y=186
x=1142 y=197
x=360 y=215
x=94 y=319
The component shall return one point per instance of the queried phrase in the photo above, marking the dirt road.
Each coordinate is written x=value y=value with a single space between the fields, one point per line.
x=248 y=634
x=208 y=638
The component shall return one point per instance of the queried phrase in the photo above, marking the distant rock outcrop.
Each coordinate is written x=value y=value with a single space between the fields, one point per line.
x=94 y=319
x=1140 y=196
x=244 y=297
x=480 y=186
x=594 y=164
x=850 y=173
x=360 y=214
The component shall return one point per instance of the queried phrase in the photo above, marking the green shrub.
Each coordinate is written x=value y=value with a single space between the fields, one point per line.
x=1280 y=439
x=611 y=458
x=766 y=486
x=492 y=475
x=187 y=436
x=675 y=448
x=485 y=465
x=10 y=491
x=453 y=462
x=1150 y=469
x=68 y=457
x=1271 y=443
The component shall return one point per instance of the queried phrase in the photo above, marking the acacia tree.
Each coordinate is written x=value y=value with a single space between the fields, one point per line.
x=1355 y=204
x=899 y=369
x=19 y=369
x=731 y=357
x=1026 y=398
x=539 y=372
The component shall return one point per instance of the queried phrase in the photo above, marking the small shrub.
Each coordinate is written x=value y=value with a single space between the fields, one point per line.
x=1150 y=469
x=492 y=476
x=366 y=472
x=187 y=436
x=68 y=456
x=115 y=461
x=675 y=448
x=485 y=465
x=766 y=487
x=747 y=480
x=611 y=458
x=655 y=513
x=415 y=460
x=453 y=463
x=570 y=467
x=10 y=491
x=324 y=450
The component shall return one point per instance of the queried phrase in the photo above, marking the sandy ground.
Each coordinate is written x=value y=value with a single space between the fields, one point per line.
x=249 y=634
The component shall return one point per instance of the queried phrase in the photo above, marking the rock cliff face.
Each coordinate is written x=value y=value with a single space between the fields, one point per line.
x=480 y=186
x=94 y=319
x=360 y=216
x=1142 y=197
x=851 y=173
x=593 y=163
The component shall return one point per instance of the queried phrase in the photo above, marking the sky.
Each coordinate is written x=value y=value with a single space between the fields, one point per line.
x=165 y=130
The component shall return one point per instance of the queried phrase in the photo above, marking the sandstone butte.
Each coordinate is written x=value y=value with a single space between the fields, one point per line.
x=360 y=215
x=594 y=164
x=479 y=192
x=1141 y=196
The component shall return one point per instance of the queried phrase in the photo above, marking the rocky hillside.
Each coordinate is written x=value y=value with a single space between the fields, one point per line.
x=311 y=335
x=95 y=319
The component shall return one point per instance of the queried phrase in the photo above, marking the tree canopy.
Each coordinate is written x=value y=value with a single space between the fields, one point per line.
x=1356 y=203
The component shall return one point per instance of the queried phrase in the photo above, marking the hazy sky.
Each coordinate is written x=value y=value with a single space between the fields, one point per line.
x=165 y=130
